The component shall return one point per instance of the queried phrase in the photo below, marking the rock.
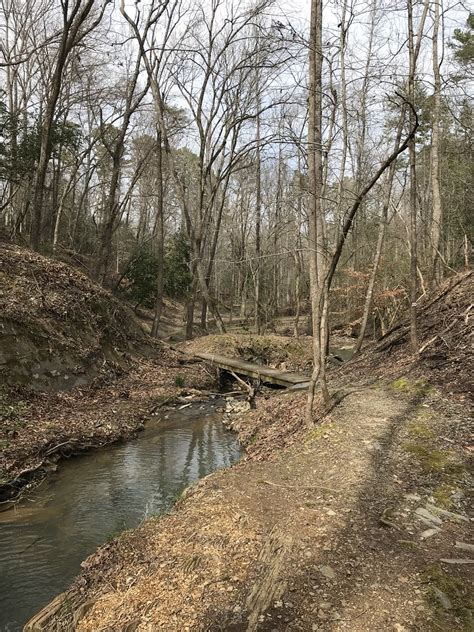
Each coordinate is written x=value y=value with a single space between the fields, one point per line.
x=327 y=571
x=447 y=514
x=413 y=497
x=456 y=561
x=465 y=546
x=330 y=512
x=429 y=532
x=424 y=515
x=322 y=615
x=442 y=598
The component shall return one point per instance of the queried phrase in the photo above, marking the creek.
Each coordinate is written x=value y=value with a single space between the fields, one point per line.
x=90 y=499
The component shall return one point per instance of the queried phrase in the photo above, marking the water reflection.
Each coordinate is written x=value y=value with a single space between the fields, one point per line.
x=93 y=497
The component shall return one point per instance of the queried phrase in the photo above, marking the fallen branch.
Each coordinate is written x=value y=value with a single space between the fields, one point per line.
x=251 y=390
x=432 y=340
x=55 y=448
x=466 y=314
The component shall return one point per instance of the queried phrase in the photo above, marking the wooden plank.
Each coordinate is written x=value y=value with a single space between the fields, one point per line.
x=257 y=371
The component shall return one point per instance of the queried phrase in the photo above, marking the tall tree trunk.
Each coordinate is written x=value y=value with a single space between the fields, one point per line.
x=413 y=52
x=159 y=239
x=380 y=241
x=434 y=154
x=276 y=241
x=45 y=154
x=315 y=189
x=258 y=219
x=296 y=320
x=190 y=304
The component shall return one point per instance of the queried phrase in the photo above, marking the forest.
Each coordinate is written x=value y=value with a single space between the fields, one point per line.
x=236 y=315
x=203 y=151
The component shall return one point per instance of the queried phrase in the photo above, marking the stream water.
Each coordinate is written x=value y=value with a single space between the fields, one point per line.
x=92 y=498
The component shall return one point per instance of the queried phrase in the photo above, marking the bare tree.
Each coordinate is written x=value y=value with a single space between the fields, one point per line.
x=315 y=185
x=75 y=26
x=435 y=137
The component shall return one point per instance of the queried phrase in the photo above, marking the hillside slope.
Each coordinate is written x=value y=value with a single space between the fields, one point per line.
x=58 y=329
x=445 y=342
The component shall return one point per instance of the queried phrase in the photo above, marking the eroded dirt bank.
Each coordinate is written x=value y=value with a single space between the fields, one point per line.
x=345 y=529
x=38 y=429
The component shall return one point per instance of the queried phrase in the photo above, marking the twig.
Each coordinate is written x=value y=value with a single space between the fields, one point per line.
x=252 y=390
x=56 y=447
x=466 y=313
x=31 y=544
x=356 y=616
x=159 y=405
x=445 y=331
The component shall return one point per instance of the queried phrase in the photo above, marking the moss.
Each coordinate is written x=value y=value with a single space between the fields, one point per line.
x=179 y=381
x=457 y=592
x=409 y=544
x=252 y=439
x=418 y=387
x=433 y=460
x=419 y=428
x=401 y=384
x=443 y=495
x=318 y=432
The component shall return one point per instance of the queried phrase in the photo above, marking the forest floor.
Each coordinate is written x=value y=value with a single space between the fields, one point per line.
x=360 y=523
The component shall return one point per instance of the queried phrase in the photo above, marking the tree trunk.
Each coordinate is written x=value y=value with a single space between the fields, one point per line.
x=258 y=216
x=297 y=294
x=435 y=134
x=380 y=241
x=159 y=240
x=413 y=51
x=190 y=304
x=315 y=189
x=69 y=38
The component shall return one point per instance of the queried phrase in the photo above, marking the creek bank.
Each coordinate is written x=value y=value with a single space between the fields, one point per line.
x=38 y=429
x=59 y=329
x=93 y=498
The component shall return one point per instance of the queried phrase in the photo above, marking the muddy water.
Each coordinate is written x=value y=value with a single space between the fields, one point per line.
x=92 y=498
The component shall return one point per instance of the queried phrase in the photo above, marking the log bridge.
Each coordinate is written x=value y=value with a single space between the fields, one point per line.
x=294 y=381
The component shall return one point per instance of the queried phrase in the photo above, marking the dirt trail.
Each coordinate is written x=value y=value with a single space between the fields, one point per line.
x=323 y=537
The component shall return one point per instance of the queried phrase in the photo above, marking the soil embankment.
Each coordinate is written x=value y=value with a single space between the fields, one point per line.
x=358 y=524
x=58 y=329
